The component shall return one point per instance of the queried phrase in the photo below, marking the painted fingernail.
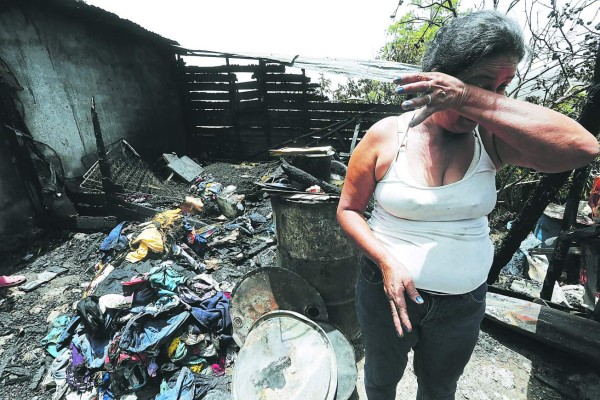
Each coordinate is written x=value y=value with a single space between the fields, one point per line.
x=399 y=89
x=400 y=334
x=406 y=104
x=397 y=78
x=419 y=300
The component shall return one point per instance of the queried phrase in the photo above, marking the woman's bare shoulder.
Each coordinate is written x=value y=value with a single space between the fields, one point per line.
x=383 y=129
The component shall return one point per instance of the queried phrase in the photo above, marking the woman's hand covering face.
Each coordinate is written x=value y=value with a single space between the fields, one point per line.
x=439 y=92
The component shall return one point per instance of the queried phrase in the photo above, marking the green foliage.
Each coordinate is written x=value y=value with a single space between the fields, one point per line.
x=367 y=91
x=324 y=86
x=406 y=44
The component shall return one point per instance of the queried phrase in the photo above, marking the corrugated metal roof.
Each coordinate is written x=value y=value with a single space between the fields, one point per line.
x=379 y=70
x=83 y=11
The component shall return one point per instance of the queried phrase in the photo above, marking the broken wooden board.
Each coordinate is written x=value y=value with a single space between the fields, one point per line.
x=186 y=168
x=170 y=157
x=575 y=335
x=295 y=151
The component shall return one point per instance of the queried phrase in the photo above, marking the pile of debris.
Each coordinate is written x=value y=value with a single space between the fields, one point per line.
x=154 y=322
x=149 y=315
x=526 y=271
x=155 y=319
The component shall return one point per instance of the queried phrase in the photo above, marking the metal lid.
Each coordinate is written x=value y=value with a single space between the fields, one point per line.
x=285 y=356
x=269 y=289
x=345 y=360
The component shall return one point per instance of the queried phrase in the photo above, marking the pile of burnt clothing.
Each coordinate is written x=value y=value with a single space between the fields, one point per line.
x=218 y=199
x=151 y=324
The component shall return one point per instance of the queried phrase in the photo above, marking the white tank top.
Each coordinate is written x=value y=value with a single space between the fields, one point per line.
x=440 y=234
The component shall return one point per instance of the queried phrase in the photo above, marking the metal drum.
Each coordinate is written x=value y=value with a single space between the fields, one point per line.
x=311 y=243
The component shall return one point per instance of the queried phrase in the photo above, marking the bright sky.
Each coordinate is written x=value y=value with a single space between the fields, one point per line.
x=319 y=28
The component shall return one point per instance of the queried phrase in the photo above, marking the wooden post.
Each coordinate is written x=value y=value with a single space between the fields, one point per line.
x=561 y=249
x=186 y=104
x=306 y=119
x=233 y=99
x=107 y=182
x=355 y=136
x=261 y=78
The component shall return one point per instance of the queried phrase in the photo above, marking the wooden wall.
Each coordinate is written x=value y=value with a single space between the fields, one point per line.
x=237 y=119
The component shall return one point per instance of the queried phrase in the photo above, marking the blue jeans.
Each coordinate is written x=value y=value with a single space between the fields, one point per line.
x=445 y=331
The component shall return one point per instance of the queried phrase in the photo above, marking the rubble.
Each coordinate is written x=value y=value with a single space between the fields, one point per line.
x=233 y=248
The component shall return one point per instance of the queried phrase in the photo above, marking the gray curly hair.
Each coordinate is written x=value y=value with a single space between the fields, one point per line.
x=465 y=40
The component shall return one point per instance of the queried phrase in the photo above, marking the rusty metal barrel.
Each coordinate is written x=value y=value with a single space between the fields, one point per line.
x=311 y=243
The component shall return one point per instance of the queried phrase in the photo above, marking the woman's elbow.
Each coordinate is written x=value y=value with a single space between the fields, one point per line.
x=584 y=150
x=577 y=154
x=589 y=150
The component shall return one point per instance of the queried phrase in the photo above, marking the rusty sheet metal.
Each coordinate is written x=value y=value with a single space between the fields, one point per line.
x=285 y=356
x=269 y=289
x=344 y=359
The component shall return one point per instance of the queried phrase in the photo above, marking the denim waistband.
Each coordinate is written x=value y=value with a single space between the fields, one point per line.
x=371 y=264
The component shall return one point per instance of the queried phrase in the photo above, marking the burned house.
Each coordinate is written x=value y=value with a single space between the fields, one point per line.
x=154 y=104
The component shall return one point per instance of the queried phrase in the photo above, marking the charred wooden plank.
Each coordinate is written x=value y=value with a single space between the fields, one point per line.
x=575 y=335
x=378 y=108
x=191 y=78
x=220 y=87
x=196 y=96
x=235 y=68
x=208 y=117
x=274 y=98
x=307 y=179
x=210 y=105
x=290 y=87
x=297 y=78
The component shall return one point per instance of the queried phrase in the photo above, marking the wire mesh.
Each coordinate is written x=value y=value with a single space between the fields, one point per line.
x=134 y=175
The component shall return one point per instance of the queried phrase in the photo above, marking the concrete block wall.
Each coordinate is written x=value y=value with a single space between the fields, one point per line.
x=61 y=62
x=62 y=56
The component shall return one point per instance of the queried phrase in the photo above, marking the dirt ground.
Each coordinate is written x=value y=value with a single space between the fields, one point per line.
x=505 y=365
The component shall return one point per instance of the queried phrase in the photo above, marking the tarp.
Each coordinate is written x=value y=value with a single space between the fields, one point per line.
x=379 y=70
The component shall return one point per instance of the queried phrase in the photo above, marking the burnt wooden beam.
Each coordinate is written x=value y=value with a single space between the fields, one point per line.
x=185 y=100
x=575 y=335
x=234 y=102
x=292 y=78
x=217 y=77
x=235 y=68
x=355 y=135
x=85 y=222
x=304 y=103
x=107 y=180
x=263 y=95
x=305 y=178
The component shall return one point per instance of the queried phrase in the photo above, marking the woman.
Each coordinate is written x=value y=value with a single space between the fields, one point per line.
x=426 y=247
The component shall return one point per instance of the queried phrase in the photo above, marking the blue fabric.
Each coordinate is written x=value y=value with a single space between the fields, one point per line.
x=103 y=391
x=68 y=332
x=213 y=313
x=197 y=242
x=166 y=279
x=114 y=240
x=52 y=339
x=94 y=350
x=445 y=331
x=144 y=334
x=162 y=305
x=546 y=228
x=184 y=388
